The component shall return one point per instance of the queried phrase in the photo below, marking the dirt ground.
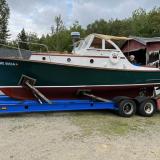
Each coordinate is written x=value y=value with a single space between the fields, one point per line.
x=97 y=135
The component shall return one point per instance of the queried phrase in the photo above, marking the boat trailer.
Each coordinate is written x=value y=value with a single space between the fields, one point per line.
x=125 y=106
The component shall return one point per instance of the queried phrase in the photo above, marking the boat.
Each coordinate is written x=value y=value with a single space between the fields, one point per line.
x=96 y=65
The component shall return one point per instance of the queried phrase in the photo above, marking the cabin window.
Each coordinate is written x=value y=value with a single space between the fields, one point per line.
x=68 y=60
x=91 y=60
x=97 y=43
x=43 y=58
x=109 y=45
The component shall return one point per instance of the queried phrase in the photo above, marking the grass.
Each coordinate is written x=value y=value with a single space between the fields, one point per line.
x=107 y=123
x=101 y=123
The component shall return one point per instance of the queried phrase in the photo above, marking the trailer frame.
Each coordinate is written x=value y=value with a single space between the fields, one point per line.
x=10 y=106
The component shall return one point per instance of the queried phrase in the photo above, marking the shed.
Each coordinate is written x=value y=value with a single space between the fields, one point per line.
x=145 y=50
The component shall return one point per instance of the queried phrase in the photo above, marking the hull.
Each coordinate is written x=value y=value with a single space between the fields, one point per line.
x=60 y=81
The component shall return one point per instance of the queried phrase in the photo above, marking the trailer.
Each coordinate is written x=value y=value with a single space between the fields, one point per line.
x=126 y=107
x=9 y=105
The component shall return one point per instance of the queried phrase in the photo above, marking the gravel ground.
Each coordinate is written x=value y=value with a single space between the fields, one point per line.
x=79 y=136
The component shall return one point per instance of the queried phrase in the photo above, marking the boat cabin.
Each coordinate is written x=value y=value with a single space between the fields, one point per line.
x=96 y=50
x=97 y=45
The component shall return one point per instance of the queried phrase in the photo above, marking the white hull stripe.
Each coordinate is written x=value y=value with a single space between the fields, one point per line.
x=84 y=86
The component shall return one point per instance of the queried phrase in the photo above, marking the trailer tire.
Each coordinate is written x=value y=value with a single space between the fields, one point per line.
x=147 y=108
x=127 y=108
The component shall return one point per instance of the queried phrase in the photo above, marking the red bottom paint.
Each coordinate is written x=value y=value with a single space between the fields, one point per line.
x=71 y=93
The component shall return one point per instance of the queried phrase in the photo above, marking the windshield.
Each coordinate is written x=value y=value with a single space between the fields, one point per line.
x=79 y=45
x=85 y=42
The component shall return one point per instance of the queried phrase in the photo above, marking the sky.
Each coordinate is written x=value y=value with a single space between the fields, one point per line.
x=38 y=15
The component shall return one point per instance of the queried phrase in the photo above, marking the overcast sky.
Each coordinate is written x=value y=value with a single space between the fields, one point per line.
x=38 y=15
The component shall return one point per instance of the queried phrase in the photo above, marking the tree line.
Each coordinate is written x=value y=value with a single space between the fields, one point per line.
x=141 y=23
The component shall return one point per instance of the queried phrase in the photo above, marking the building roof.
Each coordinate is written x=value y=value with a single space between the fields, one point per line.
x=144 y=41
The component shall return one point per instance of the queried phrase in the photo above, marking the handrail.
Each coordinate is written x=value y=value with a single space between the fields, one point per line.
x=154 y=63
x=40 y=44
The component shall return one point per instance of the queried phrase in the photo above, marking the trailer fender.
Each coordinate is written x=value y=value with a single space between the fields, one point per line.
x=119 y=98
x=140 y=99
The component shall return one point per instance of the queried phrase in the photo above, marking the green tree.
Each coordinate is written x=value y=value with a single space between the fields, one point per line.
x=76 y=27
x=4 y=16
x=154 y=22
x=141 y=23
x=34 y=42
x=58 y=33
x=146 y=24
x=99 y=26
x=23 y=40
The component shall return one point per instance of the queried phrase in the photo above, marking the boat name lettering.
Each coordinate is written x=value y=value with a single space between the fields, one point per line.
x=8 y=63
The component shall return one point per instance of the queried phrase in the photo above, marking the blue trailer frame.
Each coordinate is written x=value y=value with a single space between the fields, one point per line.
x=9 y=105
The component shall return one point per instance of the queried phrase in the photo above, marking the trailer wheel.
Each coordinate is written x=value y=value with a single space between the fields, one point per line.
x=147 y=108
x=127 y=108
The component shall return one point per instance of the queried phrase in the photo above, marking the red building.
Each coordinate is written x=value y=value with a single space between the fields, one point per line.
x=145 y=50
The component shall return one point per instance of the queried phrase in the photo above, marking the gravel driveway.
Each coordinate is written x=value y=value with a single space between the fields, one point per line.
x=87 y=135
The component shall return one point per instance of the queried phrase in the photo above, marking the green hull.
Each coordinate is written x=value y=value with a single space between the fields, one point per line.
x=63 y=75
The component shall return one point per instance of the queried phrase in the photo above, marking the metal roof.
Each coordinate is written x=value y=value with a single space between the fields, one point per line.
x=144 y=40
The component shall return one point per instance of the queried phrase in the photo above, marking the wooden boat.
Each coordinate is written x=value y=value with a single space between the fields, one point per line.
x=96 y=65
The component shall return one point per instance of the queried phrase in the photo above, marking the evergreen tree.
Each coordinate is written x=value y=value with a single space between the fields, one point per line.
x=4 y=16
x=22 y=38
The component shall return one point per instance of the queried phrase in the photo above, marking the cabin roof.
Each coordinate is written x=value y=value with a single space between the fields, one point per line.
x=108 y=37
x=142 y=40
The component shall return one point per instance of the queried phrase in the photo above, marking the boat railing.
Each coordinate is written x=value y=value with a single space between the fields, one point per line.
x=11 y=45
x=155 y=63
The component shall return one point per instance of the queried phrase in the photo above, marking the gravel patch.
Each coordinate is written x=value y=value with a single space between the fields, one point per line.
x=79 y=135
